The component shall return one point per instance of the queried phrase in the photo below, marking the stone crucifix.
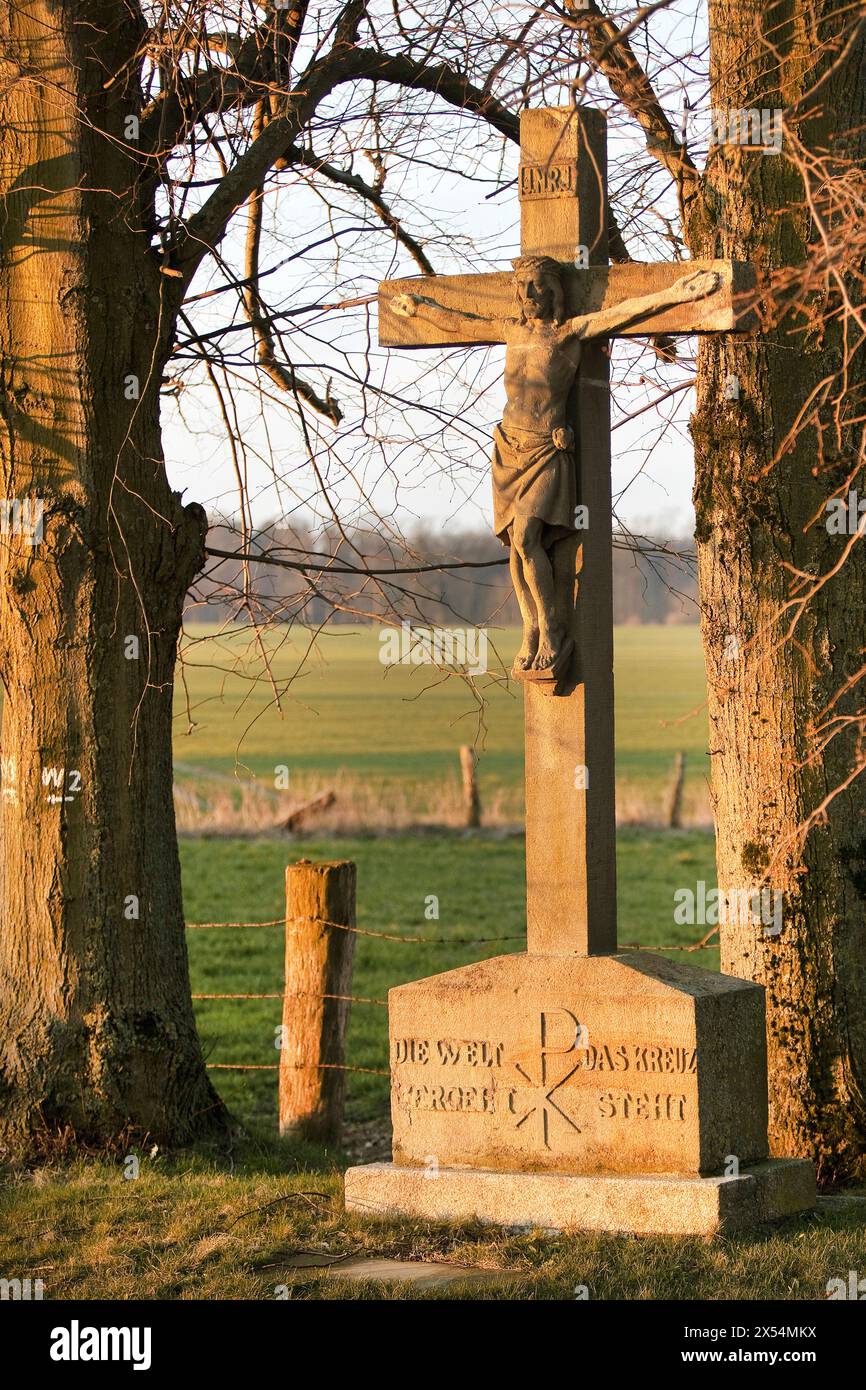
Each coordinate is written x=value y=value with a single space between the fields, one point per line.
x=573 y=1086
x=552 y=485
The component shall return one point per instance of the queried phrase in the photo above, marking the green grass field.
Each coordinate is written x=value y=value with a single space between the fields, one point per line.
x=347 y=713
x=224 y=1223
x=342 y=710
x=479 y=883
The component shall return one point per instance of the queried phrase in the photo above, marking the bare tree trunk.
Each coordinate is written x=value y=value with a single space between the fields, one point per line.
x=753 y=517
x=97 y=1024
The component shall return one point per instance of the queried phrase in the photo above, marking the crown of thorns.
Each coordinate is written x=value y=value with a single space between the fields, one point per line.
x=537 y=265
x=547 y=268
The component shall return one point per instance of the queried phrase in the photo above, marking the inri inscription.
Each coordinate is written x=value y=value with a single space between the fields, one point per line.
x=547 y=180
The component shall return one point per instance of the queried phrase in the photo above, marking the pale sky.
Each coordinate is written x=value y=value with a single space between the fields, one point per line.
x=416 y=464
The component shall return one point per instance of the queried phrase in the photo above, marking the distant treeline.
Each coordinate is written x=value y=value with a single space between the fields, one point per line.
x=323 y=574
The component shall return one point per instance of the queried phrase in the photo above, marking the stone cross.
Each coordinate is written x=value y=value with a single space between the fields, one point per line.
x=569 y=739
x=572 y=1086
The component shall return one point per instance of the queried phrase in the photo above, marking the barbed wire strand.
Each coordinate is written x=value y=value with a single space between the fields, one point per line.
x=702 y=945
x=298 y=994
x=305 y=1066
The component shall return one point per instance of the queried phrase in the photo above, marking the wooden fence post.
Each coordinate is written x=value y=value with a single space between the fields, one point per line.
x=675 y=793
x=471 y=798
x=318 y=981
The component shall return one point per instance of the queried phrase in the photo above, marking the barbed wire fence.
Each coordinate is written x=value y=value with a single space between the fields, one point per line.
x=706 y=943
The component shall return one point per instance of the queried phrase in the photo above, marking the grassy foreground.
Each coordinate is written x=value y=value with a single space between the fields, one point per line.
x=227 y=1227
x=227 y=1224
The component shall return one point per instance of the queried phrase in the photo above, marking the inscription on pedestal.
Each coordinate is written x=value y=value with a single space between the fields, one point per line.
x=550 y=1087
x=563 y=1073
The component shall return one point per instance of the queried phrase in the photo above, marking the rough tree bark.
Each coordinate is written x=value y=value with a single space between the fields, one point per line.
x=752 y=522
x=95 y=1016
x=97 y=1029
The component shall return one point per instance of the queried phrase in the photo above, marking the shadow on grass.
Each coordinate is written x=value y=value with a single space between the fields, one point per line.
x=229 y=1223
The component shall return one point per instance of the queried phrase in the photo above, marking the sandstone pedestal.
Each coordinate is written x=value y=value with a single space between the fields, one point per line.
x=643 y=1205
x=609 y=1093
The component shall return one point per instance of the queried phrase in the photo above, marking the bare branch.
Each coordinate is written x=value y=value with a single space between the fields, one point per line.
x=612 y=55
x=308 y=157
x=282 y=374
x=276 y=143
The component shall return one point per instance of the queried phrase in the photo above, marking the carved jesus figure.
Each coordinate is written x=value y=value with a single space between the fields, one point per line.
x=534 y=469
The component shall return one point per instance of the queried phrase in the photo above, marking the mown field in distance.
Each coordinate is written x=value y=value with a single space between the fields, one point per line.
x=345 y=714
x=332 y=717
x=342 y=709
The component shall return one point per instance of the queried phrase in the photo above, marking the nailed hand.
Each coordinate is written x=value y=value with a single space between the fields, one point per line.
x=404 y=305
x=703 y=283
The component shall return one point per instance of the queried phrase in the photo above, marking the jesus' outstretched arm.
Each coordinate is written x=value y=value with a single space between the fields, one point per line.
x=609 y=321
x=406 y=306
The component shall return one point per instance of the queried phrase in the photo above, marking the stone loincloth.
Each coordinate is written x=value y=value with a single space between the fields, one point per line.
x=532 y=478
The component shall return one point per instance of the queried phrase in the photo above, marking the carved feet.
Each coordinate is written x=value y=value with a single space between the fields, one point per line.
x=525 y=658
x=543 y=657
